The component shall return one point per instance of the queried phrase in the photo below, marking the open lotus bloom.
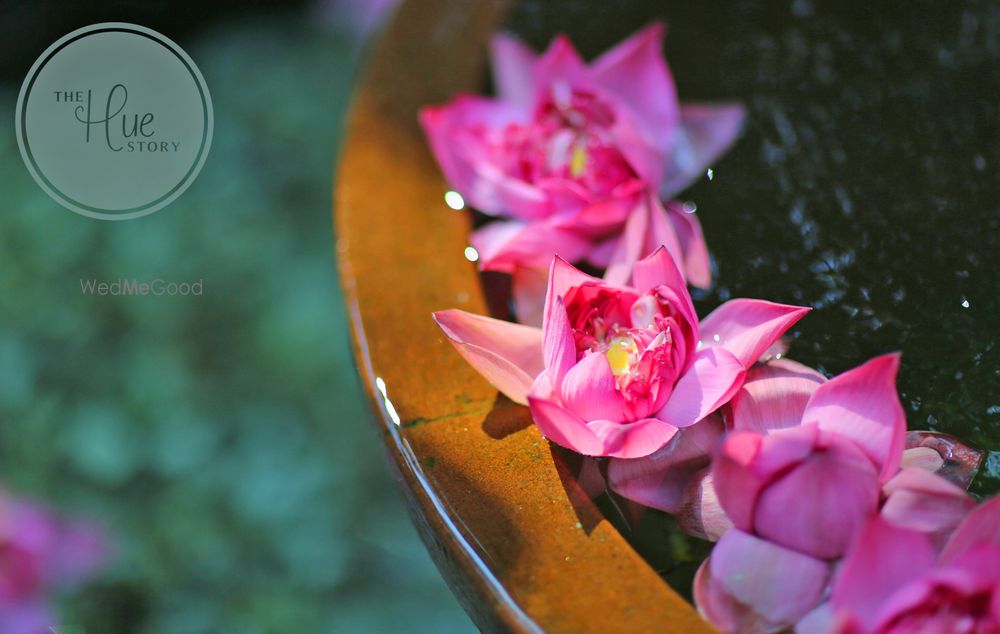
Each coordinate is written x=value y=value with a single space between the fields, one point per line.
x=893 y=580
x=41 y=553
x=568 y=153
x=617 y=370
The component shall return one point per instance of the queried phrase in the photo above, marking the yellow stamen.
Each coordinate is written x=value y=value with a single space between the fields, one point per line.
x=619 y=353
x=578 y=161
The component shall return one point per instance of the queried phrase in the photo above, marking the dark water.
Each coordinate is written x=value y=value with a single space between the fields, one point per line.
x=865 y=184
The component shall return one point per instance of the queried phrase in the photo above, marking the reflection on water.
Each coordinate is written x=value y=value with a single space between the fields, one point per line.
x=865 y=184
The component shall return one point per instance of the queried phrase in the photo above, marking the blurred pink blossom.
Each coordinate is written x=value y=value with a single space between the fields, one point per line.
x=576 y=158
x=41 y=554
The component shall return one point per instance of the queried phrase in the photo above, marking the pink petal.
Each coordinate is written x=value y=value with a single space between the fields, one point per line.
x=508 y=355
x=748 y=327
x=820 y=621
x=513 y=67
x=564 y=428
x=774 y=396
x=700 y=513
x=637 y=72
x=490 y=242
x=975 y=572
x=659 y=269
x=528 y=289
x=560 y=63
x=862 y=405
x=632 y=440
x=640 y=146
x=705 y=134
x=959 y=462
x=507 y=246
x=779 y=584
x=697 y=264
x=921 y=501
x=564 y=276
x=659 y=480
x=590 y=390
x=748 y=462
x=819 y=506
x=463 y=160
x=723 y=611
x=711 y=380
x=558 y=344
x=511 y=196
x=602 y=437
x=978 y=528
x=646 y=229
x=882 y=560
x=736 y=485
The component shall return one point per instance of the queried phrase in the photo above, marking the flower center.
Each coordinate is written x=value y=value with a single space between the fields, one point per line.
x=620 y=353
x=578 y=161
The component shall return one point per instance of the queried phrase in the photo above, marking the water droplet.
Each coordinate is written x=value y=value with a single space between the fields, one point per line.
x=710 y=173
x=690 y=207
x=454 y=200
x=471 y=254
x=965 y=303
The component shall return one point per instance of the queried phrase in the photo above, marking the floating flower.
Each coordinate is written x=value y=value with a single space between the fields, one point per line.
x=617 y=370
x=569 y=153
x=811 y=486
x=677 y=478
x=808 y=464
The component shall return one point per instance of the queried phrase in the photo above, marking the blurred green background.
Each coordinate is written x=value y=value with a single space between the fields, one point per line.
x=224 y=439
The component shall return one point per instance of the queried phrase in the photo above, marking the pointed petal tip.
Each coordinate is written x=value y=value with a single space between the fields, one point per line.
x=505 y=37
x=452 y=320
x=561 y=45
x=748 y=327
x=655 y=30
x=444 y=319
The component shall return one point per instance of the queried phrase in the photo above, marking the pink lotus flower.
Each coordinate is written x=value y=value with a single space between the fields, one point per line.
x=677 y=478
x=617 y=370
x=570 y=152
x=38 y=554
x=893 y=581
x=810 y=487
x=809 y=463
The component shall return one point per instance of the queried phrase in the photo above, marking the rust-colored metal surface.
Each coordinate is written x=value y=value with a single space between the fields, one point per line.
x=520 y=545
